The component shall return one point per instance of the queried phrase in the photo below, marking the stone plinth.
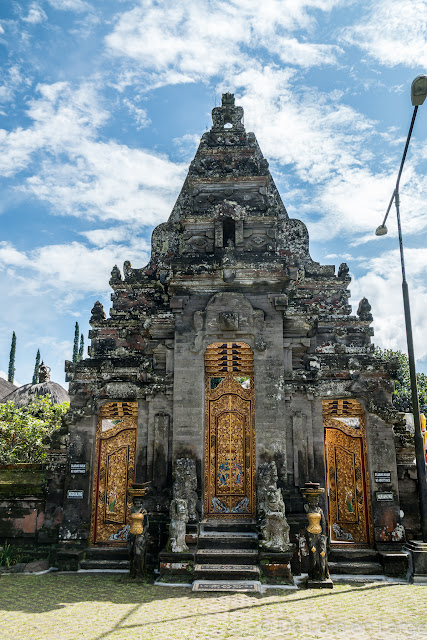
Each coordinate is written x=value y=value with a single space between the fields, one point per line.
x=418 y=551
x=276 y=566
x=175 y=566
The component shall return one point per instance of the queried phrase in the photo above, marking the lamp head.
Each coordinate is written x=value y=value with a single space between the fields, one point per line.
x=381 y=230
x=419 y=90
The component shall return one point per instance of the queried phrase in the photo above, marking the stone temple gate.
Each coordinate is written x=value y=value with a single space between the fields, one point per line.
x=232 y=348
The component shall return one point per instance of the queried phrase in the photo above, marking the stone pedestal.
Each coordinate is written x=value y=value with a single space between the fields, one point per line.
x=418 y=563
x=319 y=584
x=276 y=566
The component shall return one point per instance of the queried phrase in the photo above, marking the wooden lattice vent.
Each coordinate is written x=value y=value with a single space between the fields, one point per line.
x=229 y=357
x=115 y=410
x=345 y=407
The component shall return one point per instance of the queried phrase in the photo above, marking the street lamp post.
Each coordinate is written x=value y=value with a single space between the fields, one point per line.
x=418 y=95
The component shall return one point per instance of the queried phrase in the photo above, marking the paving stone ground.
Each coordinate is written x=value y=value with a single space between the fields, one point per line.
x=110 y=607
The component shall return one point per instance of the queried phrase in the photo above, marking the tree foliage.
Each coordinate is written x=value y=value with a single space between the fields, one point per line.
x=11 y=370
x=76 y=343
x=402 y=399
x=36 y=368
x=23 y=431
x=81 y=348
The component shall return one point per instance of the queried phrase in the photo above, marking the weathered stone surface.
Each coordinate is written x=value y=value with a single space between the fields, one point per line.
x=230 y=265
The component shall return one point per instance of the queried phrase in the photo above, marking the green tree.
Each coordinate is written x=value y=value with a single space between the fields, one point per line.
x=11 y=371
x=36 y=368
x=76 y=343
x=24 y=431
x=81 y=348
x=399 y=370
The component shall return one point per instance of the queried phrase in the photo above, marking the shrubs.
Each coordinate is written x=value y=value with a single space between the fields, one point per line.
x=24 y=432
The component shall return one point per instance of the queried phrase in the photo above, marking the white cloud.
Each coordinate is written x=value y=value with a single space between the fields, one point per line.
x=394 y=32
x=381 y=284
x=98 y=179
x=140 y=115
x=189 y=40
x=73 y=267
x=35 y=14
x=70 y=5
x=11 y=80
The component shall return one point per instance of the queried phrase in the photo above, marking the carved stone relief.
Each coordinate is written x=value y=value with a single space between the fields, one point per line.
x=217 y=319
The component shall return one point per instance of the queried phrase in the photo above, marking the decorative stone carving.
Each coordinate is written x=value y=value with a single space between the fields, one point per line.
x=343 y=270
x=185 y=485
x=179 y=518
x=98 y=313
x=44 y=372
x=229 y=321
x=244 y=320
x=316 y=534
x=116 y=276
x=266 y=477
x=364 y=310
x=274 y=527
x=271 y=509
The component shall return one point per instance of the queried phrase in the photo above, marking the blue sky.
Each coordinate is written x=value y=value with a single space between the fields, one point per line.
x=102 y=104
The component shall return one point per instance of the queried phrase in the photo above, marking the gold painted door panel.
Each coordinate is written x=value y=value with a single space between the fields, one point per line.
x=347 y=481
x=114 y=472
x=229 y=455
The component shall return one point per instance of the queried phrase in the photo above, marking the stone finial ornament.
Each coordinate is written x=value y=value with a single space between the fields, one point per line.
x=343 y=270
x=227 y=114
x=44 y=372
x=364 y=310
x=116 y=276
x=97 y=313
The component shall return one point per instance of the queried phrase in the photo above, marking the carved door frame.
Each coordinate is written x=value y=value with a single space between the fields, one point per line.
x=347 y=474
x=230 y=415
x=115 y=443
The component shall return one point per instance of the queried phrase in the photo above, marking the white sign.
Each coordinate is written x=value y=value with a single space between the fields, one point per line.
x=73 y=493
x=77 y=467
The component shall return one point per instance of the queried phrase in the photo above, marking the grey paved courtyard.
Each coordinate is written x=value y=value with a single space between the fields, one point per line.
x=96 y=606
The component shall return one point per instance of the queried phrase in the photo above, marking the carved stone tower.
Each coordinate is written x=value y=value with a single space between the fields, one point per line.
x=233 y=348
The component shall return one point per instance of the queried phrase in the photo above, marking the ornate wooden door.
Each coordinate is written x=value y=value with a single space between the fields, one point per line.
x=229 y=439
x=114 y=472
x=349 y=504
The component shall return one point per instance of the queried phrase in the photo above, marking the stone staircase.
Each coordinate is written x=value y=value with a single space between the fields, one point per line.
x=227 y=556
x=106 y=559
x=353 y=561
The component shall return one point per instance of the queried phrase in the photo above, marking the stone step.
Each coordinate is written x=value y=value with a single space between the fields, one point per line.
x=226 y=524
x=107 y=553
x=102 y=565
x=227 y=556
x=227 y=540
x=356 y=568
x=353 y=555
x=253 y=586
x=226 y=571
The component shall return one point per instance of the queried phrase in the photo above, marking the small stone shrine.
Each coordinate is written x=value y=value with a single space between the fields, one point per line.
x=233 y=359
